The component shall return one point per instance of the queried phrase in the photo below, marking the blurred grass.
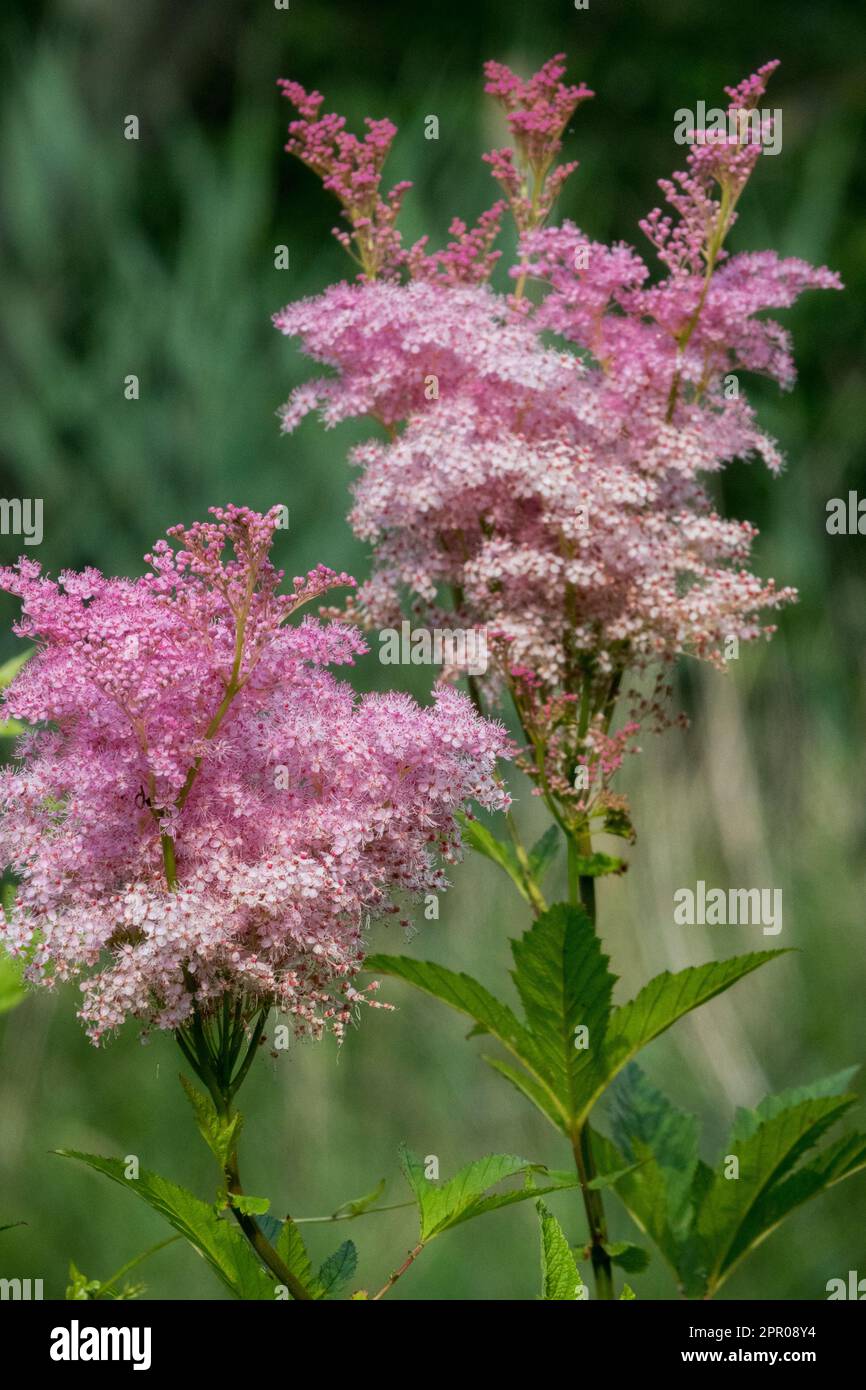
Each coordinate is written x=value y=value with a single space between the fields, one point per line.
x=156 y=258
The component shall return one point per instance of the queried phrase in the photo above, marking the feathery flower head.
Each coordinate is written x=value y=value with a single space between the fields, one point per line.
x=559 y=494
x=351 y=169
x=537 y=111
x=203 y=811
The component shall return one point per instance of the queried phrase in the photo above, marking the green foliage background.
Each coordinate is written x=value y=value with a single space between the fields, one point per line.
x=156 y=257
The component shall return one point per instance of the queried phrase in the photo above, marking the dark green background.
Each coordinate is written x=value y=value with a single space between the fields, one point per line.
x=156 y=258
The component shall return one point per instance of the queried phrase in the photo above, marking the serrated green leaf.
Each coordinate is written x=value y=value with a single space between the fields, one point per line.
x=838 y=1161
x=293 y=1252
x=668 y=998
x=544 y=851
x=467 y=1195
x=642 y=1190
x=220 y=1135
x=562 y=977
x=497 y=1200
x=249 y=1206
x=560 y=1276
x=469 y=997
x=703 y=1222
x=443 y=1204
x=769 y=1143
x=479 y=838
x=597 y=865
x=647 y=1126
x=746 y=1122
x=222 y=1246
x=338 y=1269
x=563 y=981
x=632 y=1258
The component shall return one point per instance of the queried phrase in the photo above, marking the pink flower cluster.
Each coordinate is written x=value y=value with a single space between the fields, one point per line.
x=203 y=809
x=537 y=112
x=558 y=496
x=351 y=169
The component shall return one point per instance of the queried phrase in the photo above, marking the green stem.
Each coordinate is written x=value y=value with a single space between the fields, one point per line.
x=533 y=892
x=353 y=1215
x=257 y=1239
x=581 y=887
x=240 y=1075
x=392 y=1279
x=726 y=207
x=131 y=1264
x=581 y=891
x=169 y=861
x=593 y=1204
x=215 y=1072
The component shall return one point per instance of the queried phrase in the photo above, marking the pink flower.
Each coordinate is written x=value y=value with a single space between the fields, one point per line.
x=204 y=810
x=549 y=453
x=351 y=169
x=537 y=112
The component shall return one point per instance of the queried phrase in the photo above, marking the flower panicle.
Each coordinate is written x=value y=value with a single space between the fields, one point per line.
x=180 y=715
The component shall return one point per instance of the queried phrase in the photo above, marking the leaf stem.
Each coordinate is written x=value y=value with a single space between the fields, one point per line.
x=259 y=1241
x=392 y=1278
x=581 y=892
x=215 y=1072
x=533 y=892
x=352 y=1215
x=130 y=1264
x=594 y=1207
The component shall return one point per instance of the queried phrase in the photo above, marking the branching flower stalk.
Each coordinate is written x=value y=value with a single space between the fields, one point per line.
x=553 y=498
x=212 y=1052
x=203 y=817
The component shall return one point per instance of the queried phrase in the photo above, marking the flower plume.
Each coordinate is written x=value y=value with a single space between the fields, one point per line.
x=202 y=810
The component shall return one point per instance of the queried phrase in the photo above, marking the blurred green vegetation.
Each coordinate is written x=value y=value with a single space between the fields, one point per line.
x=156 y=258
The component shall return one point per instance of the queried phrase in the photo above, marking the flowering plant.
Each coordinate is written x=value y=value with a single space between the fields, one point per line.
x=543 y=474
x=201 y=818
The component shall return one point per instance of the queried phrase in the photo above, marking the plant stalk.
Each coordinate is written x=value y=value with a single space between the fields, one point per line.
x=215 y=1069
x=581 y=891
